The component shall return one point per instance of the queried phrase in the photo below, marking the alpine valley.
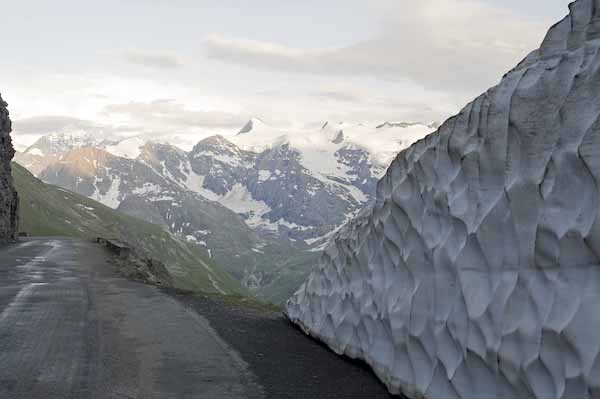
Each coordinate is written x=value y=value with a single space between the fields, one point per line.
x=261 y=202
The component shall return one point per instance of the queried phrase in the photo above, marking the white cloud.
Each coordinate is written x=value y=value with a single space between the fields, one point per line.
x=152 y=59
x=455 y=45
x=49 y=124
x=169 y=113
x=339 y=95
x=260 y=53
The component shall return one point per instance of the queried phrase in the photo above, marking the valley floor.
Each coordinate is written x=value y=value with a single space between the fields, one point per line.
x=287 y=363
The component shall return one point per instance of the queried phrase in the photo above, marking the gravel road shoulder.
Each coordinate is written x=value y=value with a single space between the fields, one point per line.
x=287 y=363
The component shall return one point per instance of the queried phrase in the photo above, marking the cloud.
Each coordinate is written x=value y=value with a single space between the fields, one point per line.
x=169 y=113
x=265 y=54
x=454 y=45
x=152 y=59
x=345 y=96
x=49 y=124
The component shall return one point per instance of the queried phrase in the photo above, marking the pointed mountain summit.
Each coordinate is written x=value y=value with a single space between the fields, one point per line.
x=252 y=125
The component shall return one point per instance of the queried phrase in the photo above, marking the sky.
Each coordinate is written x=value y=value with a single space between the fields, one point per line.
x=148 y=67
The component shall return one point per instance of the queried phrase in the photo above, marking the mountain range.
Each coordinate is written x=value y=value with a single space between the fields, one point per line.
x=262 y=203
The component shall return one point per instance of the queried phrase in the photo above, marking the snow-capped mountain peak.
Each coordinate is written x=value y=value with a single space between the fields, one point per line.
x=252 y=125
x=60 y=143
x=214 y=141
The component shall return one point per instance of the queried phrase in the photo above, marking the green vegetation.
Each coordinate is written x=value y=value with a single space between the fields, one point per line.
x=292 y=273
x=47 y=210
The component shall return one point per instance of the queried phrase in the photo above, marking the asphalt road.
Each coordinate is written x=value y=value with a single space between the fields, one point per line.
x=71 y=328
x=287 y=363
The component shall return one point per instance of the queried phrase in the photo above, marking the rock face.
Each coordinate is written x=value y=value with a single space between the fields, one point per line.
x=477 y=272
x=8 y=196
x=276 y=192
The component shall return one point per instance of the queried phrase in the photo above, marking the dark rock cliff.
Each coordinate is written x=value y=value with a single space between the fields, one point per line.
x=8 y=196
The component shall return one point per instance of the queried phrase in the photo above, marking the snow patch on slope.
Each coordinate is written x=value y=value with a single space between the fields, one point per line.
x=112 y=197
x=36 y=151
x=240 y=200
x=128 y=148
x=195 y=182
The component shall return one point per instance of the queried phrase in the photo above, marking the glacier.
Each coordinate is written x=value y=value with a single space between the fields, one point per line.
x=476 y=273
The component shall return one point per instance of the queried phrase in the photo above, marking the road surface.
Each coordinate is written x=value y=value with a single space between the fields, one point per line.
x=71 y=328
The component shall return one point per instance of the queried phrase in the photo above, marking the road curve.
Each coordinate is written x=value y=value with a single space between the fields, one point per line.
x=71 y=328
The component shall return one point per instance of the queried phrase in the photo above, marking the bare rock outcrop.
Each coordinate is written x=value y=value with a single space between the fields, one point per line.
x=8 y=196
x=477 y=272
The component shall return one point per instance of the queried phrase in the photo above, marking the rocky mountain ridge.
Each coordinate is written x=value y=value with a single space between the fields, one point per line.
x=299 y=185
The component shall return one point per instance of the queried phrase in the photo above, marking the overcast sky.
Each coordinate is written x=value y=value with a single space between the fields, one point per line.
x=158 y=65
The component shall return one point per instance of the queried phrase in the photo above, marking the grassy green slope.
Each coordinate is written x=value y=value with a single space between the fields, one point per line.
x=293 y=272
x=47 y=210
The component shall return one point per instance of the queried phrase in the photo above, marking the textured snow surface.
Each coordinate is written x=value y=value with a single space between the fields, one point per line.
x=477 y=274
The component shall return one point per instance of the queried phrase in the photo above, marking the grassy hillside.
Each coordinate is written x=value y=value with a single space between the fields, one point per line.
x=292 y=273
x=47 y=210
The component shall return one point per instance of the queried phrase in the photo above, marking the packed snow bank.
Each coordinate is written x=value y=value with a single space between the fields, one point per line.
x=477 y=274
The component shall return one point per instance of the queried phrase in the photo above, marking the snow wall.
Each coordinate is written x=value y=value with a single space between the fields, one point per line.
x=477 y=272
